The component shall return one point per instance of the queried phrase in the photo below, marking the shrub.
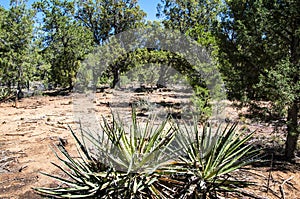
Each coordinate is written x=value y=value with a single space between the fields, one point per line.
x=151 y=161
x=201 y=101
x=4 y=93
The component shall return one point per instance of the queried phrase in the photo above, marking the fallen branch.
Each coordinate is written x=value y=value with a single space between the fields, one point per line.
x=15 y=134
x=281 y=186
x=272 y=191
x=270 y=174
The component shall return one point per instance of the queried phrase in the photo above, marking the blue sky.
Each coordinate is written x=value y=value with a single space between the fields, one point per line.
x=149 y=6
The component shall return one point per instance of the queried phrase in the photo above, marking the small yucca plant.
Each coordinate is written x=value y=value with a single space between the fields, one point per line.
x=208 y=159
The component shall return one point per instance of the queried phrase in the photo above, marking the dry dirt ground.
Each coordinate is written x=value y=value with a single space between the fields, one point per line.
x=29 y=129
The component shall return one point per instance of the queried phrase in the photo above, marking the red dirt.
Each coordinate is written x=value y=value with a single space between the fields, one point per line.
x=28 y=131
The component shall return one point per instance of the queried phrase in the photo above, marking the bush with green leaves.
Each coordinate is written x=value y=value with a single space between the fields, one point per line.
x=4 y=93
x=151 y=160
x=201 y=101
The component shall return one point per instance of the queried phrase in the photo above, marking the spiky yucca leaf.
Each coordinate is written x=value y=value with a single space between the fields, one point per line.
x=79 y=179
x=211 y=156
x=141 y=148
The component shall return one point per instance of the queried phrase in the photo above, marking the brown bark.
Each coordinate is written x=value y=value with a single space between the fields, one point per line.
x=293 y=111
x=116 y=77
x=293 y=132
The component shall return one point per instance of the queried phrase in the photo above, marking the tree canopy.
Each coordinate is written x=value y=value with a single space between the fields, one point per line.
x=107 y=18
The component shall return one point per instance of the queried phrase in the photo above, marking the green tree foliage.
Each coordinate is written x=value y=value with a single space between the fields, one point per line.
x=241 y=42
x=256 y=45
x=259 y=44
x=106 y=18
x=184 y=15
x=167 y=59
x=65 y=42
x=197 y=20
x=194 y=18
x=17 y=52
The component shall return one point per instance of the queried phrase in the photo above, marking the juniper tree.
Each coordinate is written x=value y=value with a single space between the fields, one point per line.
x=65 y=42
x=107 y=18
x=17 y=53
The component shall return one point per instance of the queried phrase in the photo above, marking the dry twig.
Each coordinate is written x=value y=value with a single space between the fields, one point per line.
x=281 y=186
x=270 y=174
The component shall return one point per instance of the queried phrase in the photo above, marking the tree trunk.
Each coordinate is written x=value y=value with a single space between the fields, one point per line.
x=116 y=77
x=161 y=82
x=71 y=85
x=292 y=119
x=293 y=131
x=19 y=93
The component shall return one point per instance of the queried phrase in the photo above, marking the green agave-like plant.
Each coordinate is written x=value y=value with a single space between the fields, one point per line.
x=209 y=158
x=123 y=163
x=147 y=160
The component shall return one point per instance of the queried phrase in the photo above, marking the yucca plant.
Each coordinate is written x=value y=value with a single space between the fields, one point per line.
x=137 y=154
x=148 y=160
x=209 y=158
x=122 y=162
